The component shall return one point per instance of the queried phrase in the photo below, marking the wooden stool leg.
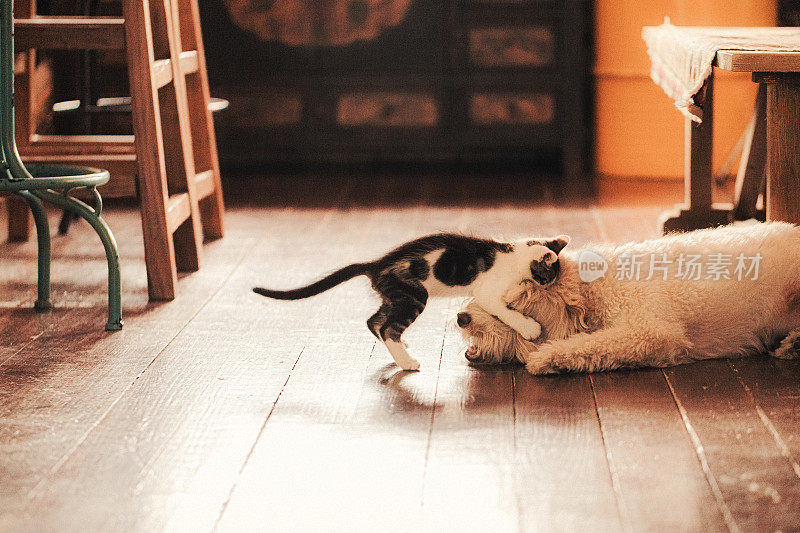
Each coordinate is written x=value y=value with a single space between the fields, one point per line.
x=208 y=183
x=19 y=219
x=180 y=166
x=697 y=211
x=783 y=152
x=178 y=135
x=170 y=186
x=162 y=277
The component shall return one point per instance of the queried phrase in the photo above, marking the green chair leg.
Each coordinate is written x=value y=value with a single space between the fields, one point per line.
x=43 y=240
x=39 y=182
x=92 y=216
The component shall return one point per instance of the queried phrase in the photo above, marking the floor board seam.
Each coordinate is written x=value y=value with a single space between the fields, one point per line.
x=224 y=506
x=61 y=462
x=622 y=511
x=102 y=288
x=520 y=520
x=48 y=328
x=365 y=375
x=701 y=457
x=430 y=426
x=255 y=443
x=26 y=344
x=785 y=451
x=514 y=408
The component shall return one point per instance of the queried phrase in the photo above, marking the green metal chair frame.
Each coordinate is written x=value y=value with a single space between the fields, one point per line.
x=51 y=183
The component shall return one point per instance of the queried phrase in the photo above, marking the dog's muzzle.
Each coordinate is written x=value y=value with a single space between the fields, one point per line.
x=544 y=274
x=463 y=319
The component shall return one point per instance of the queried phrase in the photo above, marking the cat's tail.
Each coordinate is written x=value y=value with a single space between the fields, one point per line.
x=328 y=282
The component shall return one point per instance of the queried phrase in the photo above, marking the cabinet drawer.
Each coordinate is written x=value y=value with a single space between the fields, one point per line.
x=270 y=109
x=526 y=46
x=388 y=109
x=488 y=108
x=502 y=3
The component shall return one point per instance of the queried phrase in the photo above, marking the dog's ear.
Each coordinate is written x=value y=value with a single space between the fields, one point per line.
x=558 y=243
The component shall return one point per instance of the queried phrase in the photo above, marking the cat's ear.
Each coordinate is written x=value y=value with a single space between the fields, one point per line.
x=558 y=243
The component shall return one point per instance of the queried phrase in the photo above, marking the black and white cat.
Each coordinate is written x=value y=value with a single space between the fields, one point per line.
x=444 y=264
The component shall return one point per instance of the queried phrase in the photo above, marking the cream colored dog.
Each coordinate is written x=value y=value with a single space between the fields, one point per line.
x=721 y=292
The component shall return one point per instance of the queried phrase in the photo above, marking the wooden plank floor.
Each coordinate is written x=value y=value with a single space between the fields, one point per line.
x=224 y=411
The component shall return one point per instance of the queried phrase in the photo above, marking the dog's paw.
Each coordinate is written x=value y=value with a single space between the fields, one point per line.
x=539 y=366
x=548 y=359
x=789 y=347
x=530 y=329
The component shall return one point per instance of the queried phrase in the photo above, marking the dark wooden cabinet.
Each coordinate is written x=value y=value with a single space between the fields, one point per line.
x=788 y=12
x=447 y=80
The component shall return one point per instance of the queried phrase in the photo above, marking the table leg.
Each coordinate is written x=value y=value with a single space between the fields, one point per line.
x=698 y=211
x=751 y=178
x=783 y=146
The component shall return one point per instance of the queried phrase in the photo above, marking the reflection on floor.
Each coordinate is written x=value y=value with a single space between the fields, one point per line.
x=225 y=410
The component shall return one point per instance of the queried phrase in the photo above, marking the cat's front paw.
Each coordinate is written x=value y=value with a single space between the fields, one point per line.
x=400 y=355
x=529 y=329
x=409 y=364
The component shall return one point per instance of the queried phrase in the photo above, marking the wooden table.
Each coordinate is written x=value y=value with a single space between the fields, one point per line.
x=778 y=73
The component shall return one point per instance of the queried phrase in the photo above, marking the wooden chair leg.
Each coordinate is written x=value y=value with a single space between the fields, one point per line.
x=179 y=161
x=162 y=277
x=212 y=207
x=750 y=180
x=698 y=211
x=164 y=144
x=19 y=219
x=175 y=149
x=181 y=171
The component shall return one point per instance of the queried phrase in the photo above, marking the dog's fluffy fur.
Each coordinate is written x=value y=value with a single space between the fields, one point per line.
x=610 y=323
